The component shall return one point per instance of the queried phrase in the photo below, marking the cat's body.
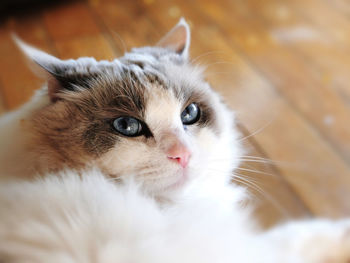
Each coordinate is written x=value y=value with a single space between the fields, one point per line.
x=151 y=124
x=93 y=220
x=72 y=219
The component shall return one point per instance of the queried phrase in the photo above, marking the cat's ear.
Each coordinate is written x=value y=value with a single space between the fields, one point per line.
x=177 y=39
x=45 y=66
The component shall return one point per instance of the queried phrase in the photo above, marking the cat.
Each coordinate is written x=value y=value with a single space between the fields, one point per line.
x=134 y=158
x=178 y=127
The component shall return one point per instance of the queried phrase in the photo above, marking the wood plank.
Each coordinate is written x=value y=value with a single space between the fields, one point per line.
x=123 y=21
x=71 y=20
x=342 y=6
x=77 y=37
x=330 y=90
x=89 y=46
x=327 y=47
x=323 y=43
x=336 y=25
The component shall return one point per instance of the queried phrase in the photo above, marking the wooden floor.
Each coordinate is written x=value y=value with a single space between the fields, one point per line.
x=284 y=66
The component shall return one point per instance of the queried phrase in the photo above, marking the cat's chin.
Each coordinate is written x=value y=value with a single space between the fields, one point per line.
x=170 y=186
x=179 y=182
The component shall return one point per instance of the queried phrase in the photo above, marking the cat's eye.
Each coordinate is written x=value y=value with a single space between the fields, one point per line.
x=190 y=115
x=128 y=126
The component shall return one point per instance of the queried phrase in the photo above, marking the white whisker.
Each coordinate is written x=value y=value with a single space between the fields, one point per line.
x=268 y=197
x=255 y=171
x=193 y=61
x=257 y=131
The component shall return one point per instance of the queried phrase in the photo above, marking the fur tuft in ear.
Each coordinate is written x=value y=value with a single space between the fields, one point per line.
x=177 y=39
x=45 y=66
x=47 y=62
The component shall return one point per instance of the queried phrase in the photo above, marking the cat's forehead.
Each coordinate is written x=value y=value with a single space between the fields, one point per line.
x=168 y=69
x=143 y=70
x=152 y=57
x=139 y=60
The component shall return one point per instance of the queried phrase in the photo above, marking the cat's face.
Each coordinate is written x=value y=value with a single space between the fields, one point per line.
x=149 y=115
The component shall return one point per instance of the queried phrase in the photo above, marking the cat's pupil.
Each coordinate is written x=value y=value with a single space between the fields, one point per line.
x=190 y=115
x=128 y=126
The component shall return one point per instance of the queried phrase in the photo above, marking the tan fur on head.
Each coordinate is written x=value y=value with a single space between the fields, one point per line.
x=151 y=84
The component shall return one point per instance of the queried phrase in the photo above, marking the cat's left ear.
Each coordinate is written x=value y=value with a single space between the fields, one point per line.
x=178 y=39
x=46 y=66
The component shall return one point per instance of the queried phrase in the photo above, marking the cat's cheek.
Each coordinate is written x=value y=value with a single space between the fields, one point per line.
x=216 y=155
x=121 y=160
x=206 y=141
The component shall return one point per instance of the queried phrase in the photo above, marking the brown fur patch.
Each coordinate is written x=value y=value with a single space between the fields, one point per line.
x=78 y=128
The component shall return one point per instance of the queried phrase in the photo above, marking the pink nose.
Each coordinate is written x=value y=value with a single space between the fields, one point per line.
x=180 y=154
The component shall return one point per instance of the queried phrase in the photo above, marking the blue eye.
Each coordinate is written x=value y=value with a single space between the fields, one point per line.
x=190 y=115
x=128 y=126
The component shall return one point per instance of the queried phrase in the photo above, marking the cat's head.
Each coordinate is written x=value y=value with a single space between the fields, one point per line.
x=149 y=114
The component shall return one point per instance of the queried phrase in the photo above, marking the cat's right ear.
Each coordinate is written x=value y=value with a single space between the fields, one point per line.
x=44 y=66
x=177 y=39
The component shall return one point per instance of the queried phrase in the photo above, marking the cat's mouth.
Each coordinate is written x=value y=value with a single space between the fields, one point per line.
x=156 y=183
x=179 y=182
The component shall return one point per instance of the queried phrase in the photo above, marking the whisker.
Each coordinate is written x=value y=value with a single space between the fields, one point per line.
x=220 y=62
x=249 y=185
x=147 y=170
x=256 y=161
x=257 y=131
x=269 y=198
x=295 y=166
x=243 y=182
x=121 y=40
x=254 y=171
x=235 y=175
x=205 y=54
x=254 y=157
x=157 y=177
x=248 y=157
x=249 y=180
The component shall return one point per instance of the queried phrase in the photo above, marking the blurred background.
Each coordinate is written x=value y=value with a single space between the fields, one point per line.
x=283 y=66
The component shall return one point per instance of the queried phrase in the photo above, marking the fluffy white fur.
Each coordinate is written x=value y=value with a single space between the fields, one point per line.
x=68 y=218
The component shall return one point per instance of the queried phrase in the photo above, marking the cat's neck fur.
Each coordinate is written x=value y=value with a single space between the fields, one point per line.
x=18 y=153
